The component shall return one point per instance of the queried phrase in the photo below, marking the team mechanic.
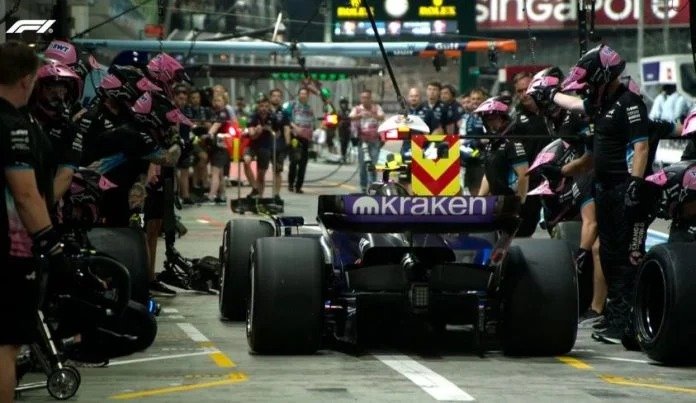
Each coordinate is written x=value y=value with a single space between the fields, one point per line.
x=57 y=89
x=623 y=201
x=506 y=163
x=574 y=129
x=28 y=188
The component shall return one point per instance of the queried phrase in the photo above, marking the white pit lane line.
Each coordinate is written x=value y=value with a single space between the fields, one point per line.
x=431 y=382
x=193 y=333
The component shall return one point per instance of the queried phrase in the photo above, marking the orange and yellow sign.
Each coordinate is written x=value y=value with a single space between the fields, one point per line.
x=435 y=165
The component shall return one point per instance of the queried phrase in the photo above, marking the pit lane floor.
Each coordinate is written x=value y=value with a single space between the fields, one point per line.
x=196 y=357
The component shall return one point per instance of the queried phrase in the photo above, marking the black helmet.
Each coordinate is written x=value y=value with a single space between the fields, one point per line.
x=343 y=100
x=597 y=67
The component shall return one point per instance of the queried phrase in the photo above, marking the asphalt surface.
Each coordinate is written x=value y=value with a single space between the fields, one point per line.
x=198 y=357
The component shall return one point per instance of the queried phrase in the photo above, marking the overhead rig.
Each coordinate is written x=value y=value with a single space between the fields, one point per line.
x=352 y=49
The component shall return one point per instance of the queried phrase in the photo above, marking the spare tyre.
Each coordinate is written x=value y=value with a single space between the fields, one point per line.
x=664 y=304
x=127 y=246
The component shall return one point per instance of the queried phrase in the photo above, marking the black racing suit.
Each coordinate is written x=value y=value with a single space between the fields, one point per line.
x=23 y=146
x=619 y=124
x=529 y=124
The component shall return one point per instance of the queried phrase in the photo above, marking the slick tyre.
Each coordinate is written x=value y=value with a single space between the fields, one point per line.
x=237 y=239
x=571 y=232
x=664 y=304
x=286 y=305
x=539 y=298
x=127 y=246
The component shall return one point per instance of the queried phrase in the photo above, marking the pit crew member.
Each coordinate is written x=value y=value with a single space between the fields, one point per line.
x=506 y=162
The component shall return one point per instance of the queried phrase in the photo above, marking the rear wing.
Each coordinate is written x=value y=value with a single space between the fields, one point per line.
x=423 y=214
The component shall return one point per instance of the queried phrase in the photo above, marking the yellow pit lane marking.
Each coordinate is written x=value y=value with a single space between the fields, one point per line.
x=574 y=362
x=618 y=380
x=222 y=360
x=235 y=377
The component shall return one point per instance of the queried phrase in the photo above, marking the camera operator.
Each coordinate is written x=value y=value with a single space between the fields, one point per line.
x=28 y=187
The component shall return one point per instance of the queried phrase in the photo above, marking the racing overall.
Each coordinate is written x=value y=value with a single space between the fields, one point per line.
x=620 y=122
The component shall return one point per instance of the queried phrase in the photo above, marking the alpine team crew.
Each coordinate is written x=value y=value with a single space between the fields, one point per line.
x=506 y=161
x=623 y=200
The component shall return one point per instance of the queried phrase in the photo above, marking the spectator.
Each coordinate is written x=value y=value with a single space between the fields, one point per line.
x=302 y=120
x=670 y=105
x=368 y=115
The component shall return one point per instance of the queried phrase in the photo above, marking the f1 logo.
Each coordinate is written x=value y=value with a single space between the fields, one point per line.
x=40 y=26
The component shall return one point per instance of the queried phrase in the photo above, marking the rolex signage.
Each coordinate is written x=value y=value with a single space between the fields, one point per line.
x=414 y=19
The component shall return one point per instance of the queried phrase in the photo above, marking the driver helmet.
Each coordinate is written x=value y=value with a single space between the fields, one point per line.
x=57 y=88
x=166 y=70
x=125 y=84
x=494 y=106
x=156 y=111
x=598 y=67
x=550 y=77
x=343 y=101
x=66 y=53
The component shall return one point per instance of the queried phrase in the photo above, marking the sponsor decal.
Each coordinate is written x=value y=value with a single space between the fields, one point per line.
x=461 y=209
x=492 y=15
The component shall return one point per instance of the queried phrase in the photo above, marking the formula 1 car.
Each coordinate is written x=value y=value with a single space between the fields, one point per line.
x=374 y=260
x=665 y=286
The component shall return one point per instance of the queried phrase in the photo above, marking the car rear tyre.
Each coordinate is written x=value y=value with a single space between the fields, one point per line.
x=664 y=304
x=237 y=239
x=571 y=232
x=127 y=246
x=539 y=298
x=286 y=305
